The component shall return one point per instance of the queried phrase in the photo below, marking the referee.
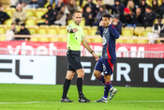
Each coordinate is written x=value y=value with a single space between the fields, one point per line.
x=74 y=40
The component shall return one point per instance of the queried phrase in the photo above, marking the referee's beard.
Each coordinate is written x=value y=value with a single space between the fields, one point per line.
x=77 y=22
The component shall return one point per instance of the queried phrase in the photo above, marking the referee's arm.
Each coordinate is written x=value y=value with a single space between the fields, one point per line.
x=86 y=45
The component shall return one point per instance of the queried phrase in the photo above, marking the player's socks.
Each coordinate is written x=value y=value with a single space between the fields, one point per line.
x=79 y=86
x=66 y=87
x=101 y=78
x=106 y=89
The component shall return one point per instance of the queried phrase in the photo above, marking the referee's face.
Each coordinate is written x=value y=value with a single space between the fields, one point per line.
x=77 y=18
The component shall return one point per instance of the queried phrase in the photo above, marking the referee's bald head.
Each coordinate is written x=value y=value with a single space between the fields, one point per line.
x=77 y=11
x=77 y=17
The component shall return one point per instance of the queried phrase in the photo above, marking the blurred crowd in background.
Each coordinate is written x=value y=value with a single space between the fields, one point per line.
x=131 y=13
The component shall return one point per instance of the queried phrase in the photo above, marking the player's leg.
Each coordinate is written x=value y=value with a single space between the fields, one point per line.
x=99 y=76
x=67 y=82
x=107 y=86
x=110 y=68
x=107 y=68
x=98 y=70
x=80 y=77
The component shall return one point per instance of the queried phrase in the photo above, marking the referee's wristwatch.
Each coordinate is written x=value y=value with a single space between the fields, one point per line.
x=92 y=52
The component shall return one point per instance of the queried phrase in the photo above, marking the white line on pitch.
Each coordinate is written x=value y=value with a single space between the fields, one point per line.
x=30 y=102
x=122 y=101
x=140 y=101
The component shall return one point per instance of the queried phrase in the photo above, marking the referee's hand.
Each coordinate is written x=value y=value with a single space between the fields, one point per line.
x=95 y=56
x=75 y=30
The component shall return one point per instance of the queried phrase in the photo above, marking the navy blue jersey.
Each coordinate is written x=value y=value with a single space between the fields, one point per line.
x=109 y=35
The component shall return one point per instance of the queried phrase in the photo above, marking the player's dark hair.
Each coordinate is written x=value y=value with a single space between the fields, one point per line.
x=106 y=16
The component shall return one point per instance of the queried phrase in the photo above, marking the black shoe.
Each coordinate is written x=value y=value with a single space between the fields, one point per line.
x=83 y=100
x=66 y=100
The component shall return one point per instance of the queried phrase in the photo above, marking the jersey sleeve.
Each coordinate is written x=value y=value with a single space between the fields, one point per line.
x=69 y=27
x=114 y=32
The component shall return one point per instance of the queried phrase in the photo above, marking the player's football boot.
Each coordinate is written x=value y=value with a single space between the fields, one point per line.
x=113 y=91
x=66 y=100
x=83 y=100
x=102 y=100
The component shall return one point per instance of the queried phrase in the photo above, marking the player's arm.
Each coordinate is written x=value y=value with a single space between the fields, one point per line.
x=113 y=29
x=114 y=32
x=86 y=45
x=100 y=28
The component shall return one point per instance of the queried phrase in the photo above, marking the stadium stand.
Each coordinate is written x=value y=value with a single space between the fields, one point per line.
x=34 y=16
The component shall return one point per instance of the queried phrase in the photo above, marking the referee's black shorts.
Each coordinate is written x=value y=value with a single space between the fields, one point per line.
x=73 y=58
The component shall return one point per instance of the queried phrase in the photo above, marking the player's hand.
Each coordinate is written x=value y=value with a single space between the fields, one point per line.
x=115 y=21
x=101 y=23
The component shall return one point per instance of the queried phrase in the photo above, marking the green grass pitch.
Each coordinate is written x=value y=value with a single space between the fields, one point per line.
x=47 y=97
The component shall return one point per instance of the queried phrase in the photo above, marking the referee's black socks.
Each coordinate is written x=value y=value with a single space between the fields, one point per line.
x=66 y=87
x=79 y=86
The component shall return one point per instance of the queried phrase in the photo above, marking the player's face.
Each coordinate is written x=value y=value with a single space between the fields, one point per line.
x=105 y=21
x=77 y=18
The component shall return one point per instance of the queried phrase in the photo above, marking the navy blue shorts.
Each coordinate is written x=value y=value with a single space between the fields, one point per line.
x=105 y=65
x=73 y=58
